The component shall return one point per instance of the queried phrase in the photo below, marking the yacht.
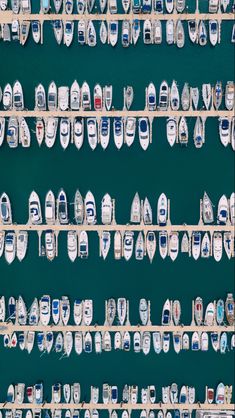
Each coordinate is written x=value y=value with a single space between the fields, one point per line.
x=223 y=209
x=151 y=97
x=78 y=208
x=171 y=130
x=166 y=313
x=72 y=245
x=126 y=5
x=213 y=6
x=137 y=342
x=111 y=311
x=62 y=208
x=217 y=94
x=146 y=342
x=36 y=31
x=193 y=31
x=207 y=95
x=202 y=33
x=10 y=247
x=75 y=96
x=173 y=245
x=130 y=128
x=180 y=5
x=68 y=6
x=68 y=32
x=162 y=210
x=204 y=343
x=21 y=244
x=58 y=31
x=7 y=98
x=35 y=213
x=51 y=125
x=166 y=344
x=147 y=32
x=207 y=209
x=144 y=134
x=112 y=6
x=24 y=133
x=98 y=97
x=117 y=245
x=196 y=245
x=174 y=96
x=135 y=31
x=169 y=4
x=104 y=132
x=77 y=311
x=24 y=31
x=91 y=34
x=205 y=246
x=103 y=32
x=170 y=32
x=55 y=311
x=224 y=130
x=118 y=132
x=92 y=132
x=143 y=311
x=64 y=310
x=105 y=241
x=83 y=245
x=50 y=208
x=220 y=312
x=18 y=98
x=194 y=97
x=227 y=240
x=163 y=244
x=217 y=246
x=44 y=6
x=213 y=32
x=50 y=245
x=106 y=210
x=198 y=311
x=229 y=95
x=5 y=210
x=229 y=309
x=82 y=32
x=63 y=98
x=52 y=96
x=176 y=312
x=135 y=210
x=183 y=131
x=121 y=310
x=209 y=314
x=147 y=212
x=126 y=33
x=157 y=32
x=220 y=394
x=65 y=132
x=90 y=208
x=198 y=135
x=87 y=312
x=185 y=243
x=179 y=34
x=108 y=96
x=45 y=310
x=128 y=244
x=151 y=245
x=57 y=5
x=164 y=96
x=139 y=247
x=113 y=32
x=78 y=132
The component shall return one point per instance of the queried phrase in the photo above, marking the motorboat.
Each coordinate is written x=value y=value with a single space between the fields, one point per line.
x=194 y=97
x=5 y=210
x=166 y=313
x=50 y=245
x=198 y=135
x=45 y=310
x=151 y=245
x=185 y=97
x=126 y=5
x=196 y=245
x=77 y=311
x=213 y=32
x=128 y=244
x=229 y=95
x=185 y=243
x=108 y=96
x=105 y=241
x=207 y=95
x=55 y=311
x=13 y=132
x=171 y=130
x=78 y=132
x=227 y=240
x=58 y=30
x=193 y=31
x=139 y=247
x=87 y=312
x=176 y=312
x=202 y=33
x=209 y=314
x=126 y=33
x=157 y=342
x=57 y=5
x=135 y=209
x=173 y=245
x=82 y=32
x=135 y=31
x=10 y=247
x=98 y=97
x=128 y=97
x=147 y=212
x=224 y=130
x=217 y=95
x=206 y=246
x=7 y=97
x=229 y=309
x=36 y=31
x=90 y=208
x=51 y=125
x=21 y=244
x=113 y=32
x=130 y=128
x=207 y=209
x=147 y=32
x=78 y=208
x=104 y=132
x=118 y=132
x=63 y=98
x=170 y=31
x=157 y=32
x=50 y=208
x=151 y=97
x=162 y=210
x=164 y=96
x=92 y=132
x=174 y=96
x=91 y=34
x=220 y=312
x=65 y=132
x=179 y=34
x=144 y=134
x=183 y=131
x=62 y=208
x=24 y=133
x=217 y=246
x=103 y=32
x=163 y=244
x=232 y=208
x=106 y=209
x=223 y=211
x=68 y=32
x=35 y=214
x=83 y=245
x=68 y=6
x=72 y=245
x=117 y=245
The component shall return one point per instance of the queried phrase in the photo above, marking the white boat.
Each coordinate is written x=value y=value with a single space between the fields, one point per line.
x=68 y=6
x=146 y=342
x=63 y=98
x=151 y=97
x=45 y=310
x=147 y=213
x=75 y=96
x=198 y=135
x=64 y=132
x=139 y=247
x=232 y=208
x=176 y=312
x=185 y=243
x=18 y=97
x=2 y=239
x=227 y=240
x=202 y=33
x=213 y=32
x=40 y=98
x=126 y=5
x=90 y=208
x=205 y=246
x=179 y=34
x=195 y=342
x=78 y=132
x=50 y=208
x=55 y=311
x=196 y=245
x=173 y=245
x=174 y=96
x=50 y=245
x=223 y=211
x=104 y=132
x=87 y=311
x=98 y=97
x=207 y=95
x=113 y=32
x=166 y=313
x=183 y=131
x=209 y=314
x=51 y=125
x=58 y=31
x=10 y=247
x=169 y=4
x=130 y=127
x=170 y=32
x=72 y=245
x=171 y=130
x=52 y=96
x=135 y=31
x=157 y=32
x=108 y=96
x=177 y=341
x=204 y=341
x=163 y=96
x=83 y=244
x=77 y=311
x=91 y=34
x=213 y=6
x=147 y=32
x=143 y=311
x=21 y=244
x=13 y=132
x=78 y=208
x=128 y=244
x=7 y=98
x=217 y=246
x=62 y=208
x=118 y=132
x=117 y=340
x=106 y=209
x=57 y=5
x=162 y=210
x=35 y=214
x=135 y=209
x=224 y=130
x=105 y=241
x=180 y=5
x=151 y=245
x=5 y=209
x=121 y=310
x=92 y=132
x=103 y=33
x=24 y=133
x=144 y=132
x=68 y=32
x=207 y=209
x=193 y=31
x=163 y=244
x=229 y=95
x=78 y=342
x=217 y=94
x=36 y=31
x=117 y=245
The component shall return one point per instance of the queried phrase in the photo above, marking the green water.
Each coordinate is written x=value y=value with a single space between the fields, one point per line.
x=183 y=174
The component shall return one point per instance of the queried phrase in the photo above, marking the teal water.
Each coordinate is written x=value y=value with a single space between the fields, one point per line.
x=183 y=174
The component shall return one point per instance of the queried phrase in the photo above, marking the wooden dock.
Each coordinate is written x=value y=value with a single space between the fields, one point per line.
x=115 y=113
x=119 y=406
x=9 y=328
x=8 y=16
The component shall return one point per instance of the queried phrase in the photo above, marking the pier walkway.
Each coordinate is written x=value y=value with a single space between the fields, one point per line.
x=8 y=16
x=114 y=113
x=9 y=328
x=117 y=227
x=119 y=406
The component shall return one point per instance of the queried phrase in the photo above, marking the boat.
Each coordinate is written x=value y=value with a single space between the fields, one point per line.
x=202 y=33
x=229 y=95
x=213 y=6
x=198 y=311
x=130 y=128
x=220 y=311
x=121 y=310
x=57 y=5
x=128 y=244
x=58 y=30
x=118 y=132
x=147 y=32
x=103 y=32
x=78 y=208
x=62 y=208
x=180 y=5
x=87 y=312
x=78 y=132
x=64 y=132
x=163 y=244
x=52 y=96
x=24 y=31
x=21 y=244
x=24 y=133
x=224 y=130
x=83 y=245
x=217 y=246
x=13 y=132
x=207 y=95
x=232 y=208
x=207 y=209
x=147 y=212
x=40 y=130
x=227 y=240
x=198 y=135
x=106 y=210
x=77 y=311
x=196 y=342
x=185 y=243
x=209 y=315
x=126 y=33
x=146 y=342
x=82 y=32
x=35 y=214
x=157 y=32
x=217 y=95
x=104 y=132
x=169 y=4
x=213 y=32
x=177 y=341
x=162 y=210
x=206 y=246
x=63 y=98
x=92 y=132
x=126 y=5
x=185 y=97
x=176 y=312
x=194 y=96
x=91 y=34
x=7 y=98
x=55 y=310
x=10 y=247
x=105 y=241
x=51 y=125
x=50 y=245
x=151 y=97
x=166 y=342
x=72 y=245
x=170 y=31
x=179 y=34
x=98 y=97
x=185 y=341
x=174 y=96
x=78 y=342
x=223 y=211
x=113 y=32
x=2 y=240
x=44 y=6
x=18 y=97
x=135 y=31
x=45 y=310
x=50 y=208
x=5 y=209
x=196 y=245
x=90 y=208
x=220 y=394
x=68 y=6
x=166 y=313
x=204 y=343
x=163 y=96
x=171 y=130
x=193 y=31
x=173 y=245
x=117 y=245
x=223 y=342
x=36 y=31
x=108 y=96
x=135 y=209
x=144 y=134
x=183 y=131
x=229 y=309
x=68 y=32
x=128 y=97
x=139 y=247
x=15 y=6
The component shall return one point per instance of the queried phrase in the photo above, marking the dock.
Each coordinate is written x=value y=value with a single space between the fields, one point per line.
x=8 y=16
x=117 y=113
x=118 y=406
x=116 y=227
x=9 y=328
